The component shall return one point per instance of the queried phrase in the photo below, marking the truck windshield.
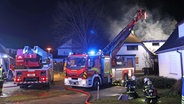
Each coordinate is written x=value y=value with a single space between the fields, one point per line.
x=76 y=62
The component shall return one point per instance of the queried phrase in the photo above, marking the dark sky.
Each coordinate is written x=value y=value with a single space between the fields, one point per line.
x=29 y=22
x=25 y=22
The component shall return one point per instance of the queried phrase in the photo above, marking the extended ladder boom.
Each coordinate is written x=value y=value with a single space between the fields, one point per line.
x=113 y=47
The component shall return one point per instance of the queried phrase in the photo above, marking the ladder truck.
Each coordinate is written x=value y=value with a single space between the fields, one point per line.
x=33 y=67
x=114 y=46
x=93 y=69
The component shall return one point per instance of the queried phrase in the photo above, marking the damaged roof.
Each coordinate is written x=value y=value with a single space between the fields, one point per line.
x=132 y=39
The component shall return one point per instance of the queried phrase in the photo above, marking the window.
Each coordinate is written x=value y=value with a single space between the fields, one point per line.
x=76 y=62
x=155 y=44
x=120 y=61
x=137 y=60
x=132 y=47
x=173 y=64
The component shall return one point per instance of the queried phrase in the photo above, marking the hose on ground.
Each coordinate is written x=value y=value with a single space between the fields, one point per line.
x=81 y=91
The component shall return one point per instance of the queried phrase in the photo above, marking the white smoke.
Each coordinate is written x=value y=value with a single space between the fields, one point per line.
x=153 y=28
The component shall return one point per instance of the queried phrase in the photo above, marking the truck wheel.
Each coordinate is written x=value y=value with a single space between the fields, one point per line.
x=95 y=83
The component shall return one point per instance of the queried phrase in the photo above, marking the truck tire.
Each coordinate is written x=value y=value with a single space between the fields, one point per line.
x=95 y=83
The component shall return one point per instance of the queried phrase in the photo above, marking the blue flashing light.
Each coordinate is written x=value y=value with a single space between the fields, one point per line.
x=70 y=53
x=92 y=52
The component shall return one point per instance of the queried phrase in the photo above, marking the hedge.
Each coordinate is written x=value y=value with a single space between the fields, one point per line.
x=158 y=82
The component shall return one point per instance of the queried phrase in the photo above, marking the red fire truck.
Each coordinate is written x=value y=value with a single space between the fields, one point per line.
x=87 y=70
x=33 y=66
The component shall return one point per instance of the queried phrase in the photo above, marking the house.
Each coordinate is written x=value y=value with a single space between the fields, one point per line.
x=171 y=54
x=5 y=58
x=68 y=47
x=135 y=54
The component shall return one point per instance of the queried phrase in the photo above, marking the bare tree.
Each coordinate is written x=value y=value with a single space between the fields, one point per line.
x=148 y=60
x=79 y=20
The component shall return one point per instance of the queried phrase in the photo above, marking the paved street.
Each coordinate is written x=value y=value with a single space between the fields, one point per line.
x=9 y=88
x=77 y=98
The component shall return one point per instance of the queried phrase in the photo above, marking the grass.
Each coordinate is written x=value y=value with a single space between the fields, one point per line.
x=165 y=98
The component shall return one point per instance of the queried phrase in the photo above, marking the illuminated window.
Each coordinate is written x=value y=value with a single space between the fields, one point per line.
x=132 y=47
x=137 y=60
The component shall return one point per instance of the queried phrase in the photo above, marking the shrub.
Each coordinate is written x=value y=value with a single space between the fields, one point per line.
x=158 y=82
x=177 y=87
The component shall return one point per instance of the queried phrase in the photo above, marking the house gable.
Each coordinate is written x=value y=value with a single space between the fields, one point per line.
x=68 y=47
x=153 y=45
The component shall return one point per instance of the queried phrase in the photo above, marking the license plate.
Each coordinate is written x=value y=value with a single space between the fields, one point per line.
x=30 y=75
x=74 y=82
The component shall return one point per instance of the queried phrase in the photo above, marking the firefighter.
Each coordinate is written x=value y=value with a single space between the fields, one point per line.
x=146 y=80
x=151 y=94
x=130 y=86
x=1 y=79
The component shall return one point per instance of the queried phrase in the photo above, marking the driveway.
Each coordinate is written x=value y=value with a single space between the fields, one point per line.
x=77 y=98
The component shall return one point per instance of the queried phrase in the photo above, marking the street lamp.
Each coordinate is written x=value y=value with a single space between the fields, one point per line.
x=49 y=49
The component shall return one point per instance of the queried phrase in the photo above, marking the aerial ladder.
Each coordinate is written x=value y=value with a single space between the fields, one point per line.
x=114 y=46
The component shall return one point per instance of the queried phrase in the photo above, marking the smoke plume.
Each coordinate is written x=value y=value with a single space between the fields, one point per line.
x=155 y=27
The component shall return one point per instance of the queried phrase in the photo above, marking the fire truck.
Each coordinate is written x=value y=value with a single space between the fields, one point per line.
x=89 y=70
x=33 y=67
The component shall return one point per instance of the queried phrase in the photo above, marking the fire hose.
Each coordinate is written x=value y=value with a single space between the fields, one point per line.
x=81 y=91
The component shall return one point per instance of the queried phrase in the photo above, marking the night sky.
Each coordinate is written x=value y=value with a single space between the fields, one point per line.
x=26 y=22
x=30 y=22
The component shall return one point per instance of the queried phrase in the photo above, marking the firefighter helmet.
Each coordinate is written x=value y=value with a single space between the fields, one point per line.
x=146 y=79
x=133 y=78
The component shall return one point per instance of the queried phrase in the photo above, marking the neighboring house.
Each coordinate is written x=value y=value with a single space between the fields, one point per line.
x=5 y=58
x=134 y=53
x=65 y=49
x=68 y=47
x=171 y=54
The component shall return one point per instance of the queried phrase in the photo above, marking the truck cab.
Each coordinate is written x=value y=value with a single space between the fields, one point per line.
x=85 y=70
